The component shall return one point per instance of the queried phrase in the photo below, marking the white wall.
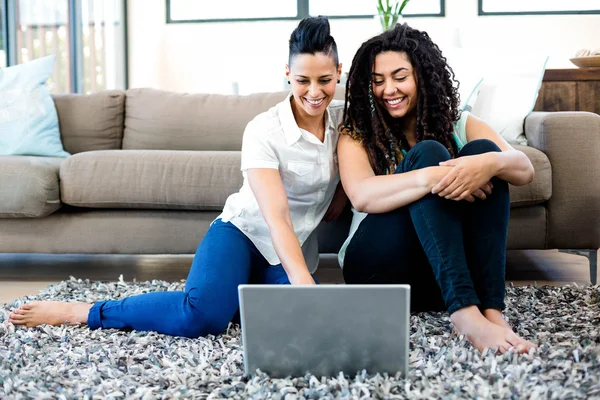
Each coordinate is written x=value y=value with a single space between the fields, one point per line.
x=210 y=57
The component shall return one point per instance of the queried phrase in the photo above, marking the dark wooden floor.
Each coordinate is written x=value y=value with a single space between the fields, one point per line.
x=22 y=274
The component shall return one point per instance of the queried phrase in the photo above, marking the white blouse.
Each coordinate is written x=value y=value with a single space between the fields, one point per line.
x=308 y=169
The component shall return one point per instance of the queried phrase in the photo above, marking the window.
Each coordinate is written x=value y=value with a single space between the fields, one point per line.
x=3 y=27
x=193 y=10
x=243 y=10
x=347 y=8
x=103 y=41
x=42 y=29
x=524 y=7
x=86 y=36
x=235 y=10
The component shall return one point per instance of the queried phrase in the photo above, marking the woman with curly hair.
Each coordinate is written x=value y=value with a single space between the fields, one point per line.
x=428 y=186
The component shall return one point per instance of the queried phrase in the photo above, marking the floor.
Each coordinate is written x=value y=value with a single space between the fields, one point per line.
x=24 y=274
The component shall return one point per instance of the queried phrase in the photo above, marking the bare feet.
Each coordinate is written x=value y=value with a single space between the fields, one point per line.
x=50 y=312
x=495 y=316
x=483 y=333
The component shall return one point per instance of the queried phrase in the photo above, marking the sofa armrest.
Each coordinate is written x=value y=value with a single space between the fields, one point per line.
x=571 y=140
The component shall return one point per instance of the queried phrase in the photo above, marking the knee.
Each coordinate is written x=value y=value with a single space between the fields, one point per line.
x=201 y=320
x=351 y=276
x=431 y=149
x=195 y=324
x=427 y=153
x=190 y=329
x=479 y=146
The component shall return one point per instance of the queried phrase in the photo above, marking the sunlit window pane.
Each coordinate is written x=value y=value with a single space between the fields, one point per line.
x=493 y=6
x=344 y=7
x=43 y=29
x=103 y=45
x=182 y=10
x=2 y=38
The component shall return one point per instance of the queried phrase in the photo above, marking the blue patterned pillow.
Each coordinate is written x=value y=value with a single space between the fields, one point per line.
x=28 y=119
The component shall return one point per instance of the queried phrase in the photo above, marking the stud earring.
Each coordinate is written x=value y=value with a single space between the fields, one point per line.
x=288 y=82
x=338 y=81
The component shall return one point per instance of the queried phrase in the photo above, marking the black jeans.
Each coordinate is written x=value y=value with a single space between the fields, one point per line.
x=452 y=253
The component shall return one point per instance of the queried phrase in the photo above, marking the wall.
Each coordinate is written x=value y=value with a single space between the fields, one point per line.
x=216 y=57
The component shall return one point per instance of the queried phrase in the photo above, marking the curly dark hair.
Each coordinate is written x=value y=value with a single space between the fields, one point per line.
x=437 y=98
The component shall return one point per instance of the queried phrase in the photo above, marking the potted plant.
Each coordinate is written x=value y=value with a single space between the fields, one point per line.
x=390 y=11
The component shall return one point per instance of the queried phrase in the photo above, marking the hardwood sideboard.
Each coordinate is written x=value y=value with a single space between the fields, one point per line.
x=576 y=89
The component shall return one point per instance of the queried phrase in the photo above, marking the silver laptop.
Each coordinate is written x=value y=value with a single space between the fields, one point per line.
x=325 y=329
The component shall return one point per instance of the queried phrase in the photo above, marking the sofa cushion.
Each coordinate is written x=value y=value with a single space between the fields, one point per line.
x=161 y=120
x=151 y=179
x=28 y=186
x=540 y=189
x=91 y=122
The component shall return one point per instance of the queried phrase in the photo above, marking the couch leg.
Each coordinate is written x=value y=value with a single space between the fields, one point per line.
x=592 y=256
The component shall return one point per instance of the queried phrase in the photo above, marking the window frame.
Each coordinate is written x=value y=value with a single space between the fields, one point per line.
x=9 y=41
x=75 y=40
x=303 y=12
x=482 y=13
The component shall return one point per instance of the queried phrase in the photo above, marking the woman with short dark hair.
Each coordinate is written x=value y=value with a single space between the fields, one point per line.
x=266 y=233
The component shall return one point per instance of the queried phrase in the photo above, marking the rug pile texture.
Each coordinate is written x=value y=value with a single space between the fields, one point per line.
x=75 y=362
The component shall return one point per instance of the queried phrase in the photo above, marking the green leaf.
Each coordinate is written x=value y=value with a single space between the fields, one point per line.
x=404 y=3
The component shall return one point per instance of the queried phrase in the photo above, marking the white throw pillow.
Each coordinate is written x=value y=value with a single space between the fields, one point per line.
x=505 y=105
x=511 y=82
x=469 y=79
x=28 y=119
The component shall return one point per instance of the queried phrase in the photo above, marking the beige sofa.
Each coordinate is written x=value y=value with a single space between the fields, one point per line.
x=151 y=169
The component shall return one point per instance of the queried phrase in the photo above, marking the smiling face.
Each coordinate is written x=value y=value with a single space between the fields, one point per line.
x=395 y=83
x=313 y=78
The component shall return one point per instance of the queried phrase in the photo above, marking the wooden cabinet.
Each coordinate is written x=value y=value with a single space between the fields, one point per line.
x=576 y=89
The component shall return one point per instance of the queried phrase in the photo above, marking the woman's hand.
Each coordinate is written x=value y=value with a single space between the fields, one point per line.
x=469 y=175
x=337 y=205
x=484 y=191
x=304 y=278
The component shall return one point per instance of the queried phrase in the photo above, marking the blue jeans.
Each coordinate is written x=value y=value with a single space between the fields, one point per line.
x=452 y=253
x=225 y=259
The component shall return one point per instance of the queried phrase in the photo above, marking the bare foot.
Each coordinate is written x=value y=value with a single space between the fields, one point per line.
x=495 y=316
x=50 y=312
x=484 y=334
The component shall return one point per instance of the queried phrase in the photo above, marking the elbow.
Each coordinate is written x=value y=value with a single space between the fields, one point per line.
x=360 y=207
x=529 y=174
x=522 y=170
x=359 y=202
x=525 y=176
x=528 y=171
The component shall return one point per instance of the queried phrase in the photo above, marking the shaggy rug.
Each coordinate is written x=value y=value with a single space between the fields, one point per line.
x=74 y=362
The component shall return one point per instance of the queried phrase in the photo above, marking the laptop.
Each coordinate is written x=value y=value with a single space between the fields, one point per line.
x=325 y=329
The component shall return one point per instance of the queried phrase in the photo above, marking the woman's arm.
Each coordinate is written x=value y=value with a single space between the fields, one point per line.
x=381 y=193
x=468 y=172
x=267 y=186
x=510 y=165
